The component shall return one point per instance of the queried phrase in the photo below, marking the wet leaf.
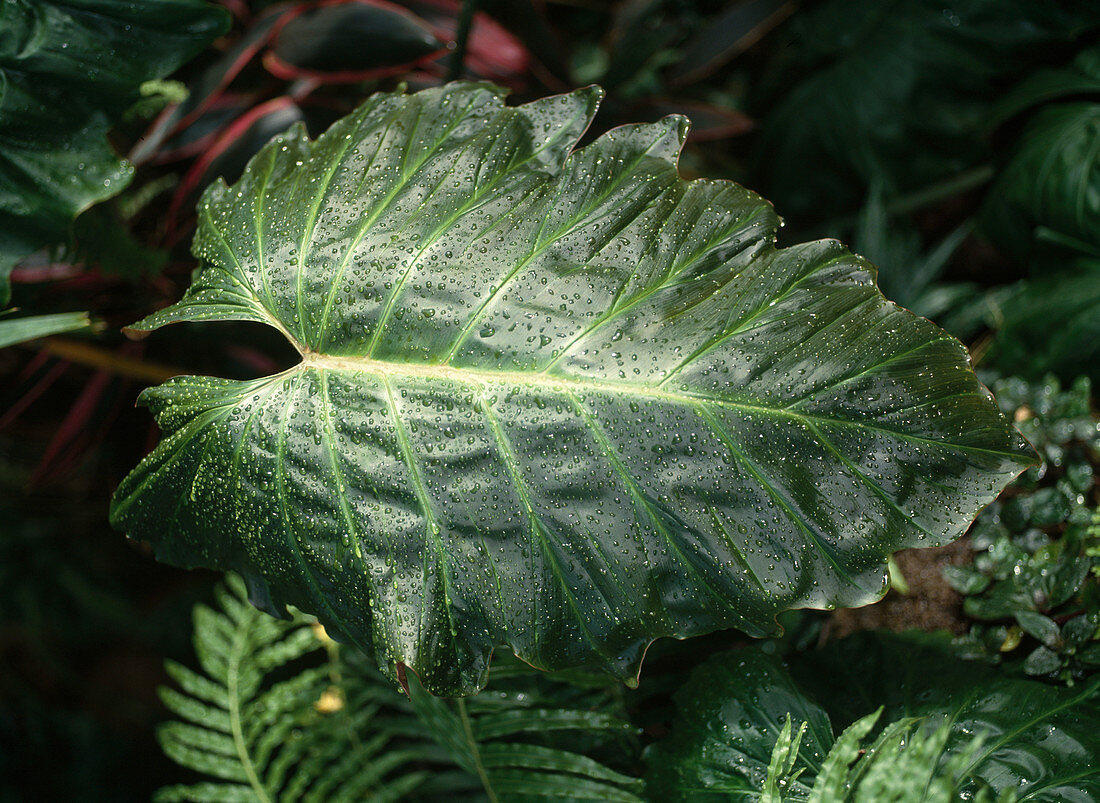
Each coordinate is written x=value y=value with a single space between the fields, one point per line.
x=1040 y=740
x=558 y=400
x=729 y=716
x=994 y=731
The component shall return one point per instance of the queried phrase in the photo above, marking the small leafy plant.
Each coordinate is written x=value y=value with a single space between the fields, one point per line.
x=1033 y=585
x=281 y=712
x=69 y=71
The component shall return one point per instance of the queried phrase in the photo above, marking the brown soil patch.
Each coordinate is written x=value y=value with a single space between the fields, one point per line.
x=931 y=603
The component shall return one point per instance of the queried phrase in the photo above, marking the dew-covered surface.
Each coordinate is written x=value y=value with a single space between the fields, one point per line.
x=561 y=401
x=728 y=718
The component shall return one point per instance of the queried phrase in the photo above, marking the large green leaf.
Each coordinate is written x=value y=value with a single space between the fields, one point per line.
x=1041 y=740
x=729 y=717
x=559 y=400
x=1002 y=733
x=68 y=70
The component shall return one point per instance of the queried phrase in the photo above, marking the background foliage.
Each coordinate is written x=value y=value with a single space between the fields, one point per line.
x=955 y=148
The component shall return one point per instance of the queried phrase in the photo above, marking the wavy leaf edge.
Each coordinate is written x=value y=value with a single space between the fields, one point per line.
x=612 y=651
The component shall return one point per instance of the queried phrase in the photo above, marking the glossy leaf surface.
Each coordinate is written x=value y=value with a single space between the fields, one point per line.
x=1035 y=739
x=68 y=70
x=327 y=38
x=729 y=717
x=1041 y=740
x=559 y=400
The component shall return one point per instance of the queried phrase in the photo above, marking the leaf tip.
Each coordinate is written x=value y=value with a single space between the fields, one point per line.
x=402 y=677
x=681 y=125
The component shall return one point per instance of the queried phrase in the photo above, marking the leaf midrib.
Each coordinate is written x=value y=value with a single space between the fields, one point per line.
x=235 y=704
x=558 y=383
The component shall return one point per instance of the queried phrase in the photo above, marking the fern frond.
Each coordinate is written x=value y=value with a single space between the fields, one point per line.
x=277 y=714
x=507 y=737
x=904 y=764
x=782 y=772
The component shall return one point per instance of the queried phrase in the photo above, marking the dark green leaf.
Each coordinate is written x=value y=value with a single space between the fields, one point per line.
x=729 y=716
x=965 y=580
x=896 y=89
x=563 y=401
x=103 y=239
x=933 y=743
x=1040 y=627
x=1000 y=601
x=1078 y=630
x=1050 y=506
x=1040 y=740
x=1090 y=655
x=1042 y=661
x=1026 y=342
x=68 y=70
x=1081 y=78
x=1050 y=188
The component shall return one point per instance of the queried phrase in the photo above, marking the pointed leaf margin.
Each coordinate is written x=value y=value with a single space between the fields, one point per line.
x=651 y=423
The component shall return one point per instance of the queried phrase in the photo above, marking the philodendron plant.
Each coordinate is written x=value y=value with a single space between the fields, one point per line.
x=552 y=398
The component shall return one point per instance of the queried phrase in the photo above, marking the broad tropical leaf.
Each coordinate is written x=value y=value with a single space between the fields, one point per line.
x=560 y=400
x=1041 y=740
x=948 y=729
x=68 y=70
